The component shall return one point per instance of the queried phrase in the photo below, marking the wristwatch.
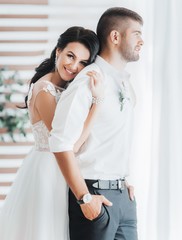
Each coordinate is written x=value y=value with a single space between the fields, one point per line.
x=85 y=199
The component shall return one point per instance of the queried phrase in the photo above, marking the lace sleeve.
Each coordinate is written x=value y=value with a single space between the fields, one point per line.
x=36 y=88
x=50 y=88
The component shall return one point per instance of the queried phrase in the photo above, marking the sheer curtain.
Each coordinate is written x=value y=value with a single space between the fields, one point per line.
x=164 y=206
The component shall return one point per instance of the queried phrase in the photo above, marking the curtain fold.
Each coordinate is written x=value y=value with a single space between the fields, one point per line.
x=166 y=176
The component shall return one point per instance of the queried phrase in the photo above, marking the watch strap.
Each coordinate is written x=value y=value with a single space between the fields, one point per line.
x=80 y=201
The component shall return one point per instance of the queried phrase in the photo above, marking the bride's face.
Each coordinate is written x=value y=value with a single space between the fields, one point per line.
x=71 y=60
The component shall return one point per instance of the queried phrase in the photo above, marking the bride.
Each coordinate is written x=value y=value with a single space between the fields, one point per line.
x=36 y=207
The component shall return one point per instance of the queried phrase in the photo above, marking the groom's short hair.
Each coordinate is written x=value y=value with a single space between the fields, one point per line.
x=114 y=19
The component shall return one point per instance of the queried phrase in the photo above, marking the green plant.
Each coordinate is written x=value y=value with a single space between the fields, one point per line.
x=12 y=118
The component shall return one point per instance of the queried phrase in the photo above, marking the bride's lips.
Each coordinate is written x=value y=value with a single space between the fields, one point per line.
x=69 y=72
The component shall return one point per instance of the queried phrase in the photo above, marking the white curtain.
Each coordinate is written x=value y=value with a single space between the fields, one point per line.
x=157 y=148
x=164 y=209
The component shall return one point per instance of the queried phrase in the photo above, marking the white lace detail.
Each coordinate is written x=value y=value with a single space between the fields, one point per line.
x=41 y=134
x=39 y=129
x=50 y=88
x=30 y=94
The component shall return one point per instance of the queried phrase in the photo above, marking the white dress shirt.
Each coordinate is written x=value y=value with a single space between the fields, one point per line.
x=105 y=154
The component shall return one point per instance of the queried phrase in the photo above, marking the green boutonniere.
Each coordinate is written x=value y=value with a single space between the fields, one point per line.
x=121 y=100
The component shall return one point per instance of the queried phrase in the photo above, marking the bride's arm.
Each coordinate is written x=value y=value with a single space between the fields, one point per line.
x=87 y=127
x=97 y=89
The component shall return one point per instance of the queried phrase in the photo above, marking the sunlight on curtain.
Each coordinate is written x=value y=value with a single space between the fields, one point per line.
x=166 y=178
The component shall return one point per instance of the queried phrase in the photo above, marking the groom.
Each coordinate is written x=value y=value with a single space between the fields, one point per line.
x=101 y=204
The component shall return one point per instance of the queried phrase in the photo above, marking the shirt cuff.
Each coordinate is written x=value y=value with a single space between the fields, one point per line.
x=55 y=145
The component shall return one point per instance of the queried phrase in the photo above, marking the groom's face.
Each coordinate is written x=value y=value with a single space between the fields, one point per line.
x=131 y=41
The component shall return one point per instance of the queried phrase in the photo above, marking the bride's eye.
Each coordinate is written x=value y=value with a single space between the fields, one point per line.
x=70 y=56
x=84 y=64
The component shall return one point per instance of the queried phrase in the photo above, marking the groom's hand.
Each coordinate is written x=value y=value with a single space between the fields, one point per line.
x=92 y=209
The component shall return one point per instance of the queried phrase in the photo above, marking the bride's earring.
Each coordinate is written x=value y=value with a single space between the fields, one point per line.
x=55 y=64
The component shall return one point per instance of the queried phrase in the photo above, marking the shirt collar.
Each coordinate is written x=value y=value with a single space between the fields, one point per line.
x=108 y=68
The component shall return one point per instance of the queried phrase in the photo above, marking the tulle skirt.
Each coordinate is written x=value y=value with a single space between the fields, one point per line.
x=36 y=207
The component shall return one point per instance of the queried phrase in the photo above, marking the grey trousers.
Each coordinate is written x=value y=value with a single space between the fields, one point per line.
x=117 y=222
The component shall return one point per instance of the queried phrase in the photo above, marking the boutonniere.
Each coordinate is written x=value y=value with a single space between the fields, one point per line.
x=123 y=97
x=121 y=100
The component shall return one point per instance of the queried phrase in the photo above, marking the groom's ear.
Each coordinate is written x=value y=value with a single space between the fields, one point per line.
x=114 y=37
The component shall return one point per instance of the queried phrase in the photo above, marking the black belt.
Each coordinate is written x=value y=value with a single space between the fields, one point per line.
x=107 y=184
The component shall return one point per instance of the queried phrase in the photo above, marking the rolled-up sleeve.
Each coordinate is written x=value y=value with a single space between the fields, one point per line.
x=71 y=112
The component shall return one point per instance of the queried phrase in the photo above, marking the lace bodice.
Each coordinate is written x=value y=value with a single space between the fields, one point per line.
x=39 y=129
x=41 y=134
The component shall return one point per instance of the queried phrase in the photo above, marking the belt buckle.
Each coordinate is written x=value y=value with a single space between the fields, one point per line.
x=113 y=184
x=103 y=184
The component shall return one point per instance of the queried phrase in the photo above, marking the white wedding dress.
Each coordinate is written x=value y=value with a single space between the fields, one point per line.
x=36 y=207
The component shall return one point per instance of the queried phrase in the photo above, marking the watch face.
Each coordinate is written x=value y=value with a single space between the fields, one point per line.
x=87 y=198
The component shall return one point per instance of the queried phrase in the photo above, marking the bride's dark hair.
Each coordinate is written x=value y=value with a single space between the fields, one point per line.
x=73 y=34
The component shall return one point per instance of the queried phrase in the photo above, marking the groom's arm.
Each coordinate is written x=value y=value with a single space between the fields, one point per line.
x=70 y=169
x=73 y=177
x=71 y=113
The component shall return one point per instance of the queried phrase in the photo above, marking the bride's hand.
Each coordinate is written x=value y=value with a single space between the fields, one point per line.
x=96 y=84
